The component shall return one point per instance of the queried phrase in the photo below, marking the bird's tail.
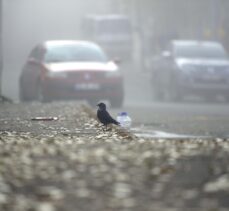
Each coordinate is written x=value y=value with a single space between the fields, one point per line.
x=116 y=122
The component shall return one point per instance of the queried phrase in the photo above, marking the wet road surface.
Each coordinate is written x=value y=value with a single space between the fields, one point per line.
x=188 y=118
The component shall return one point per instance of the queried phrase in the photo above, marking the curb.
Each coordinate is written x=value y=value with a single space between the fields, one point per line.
x=121 y=131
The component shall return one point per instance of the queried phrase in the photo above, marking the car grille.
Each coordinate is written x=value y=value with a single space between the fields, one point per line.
x=86 y=76
x=213 y=69
x=211 y=74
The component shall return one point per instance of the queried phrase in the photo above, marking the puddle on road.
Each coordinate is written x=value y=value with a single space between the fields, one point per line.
x=146 y=133
x=142 y=133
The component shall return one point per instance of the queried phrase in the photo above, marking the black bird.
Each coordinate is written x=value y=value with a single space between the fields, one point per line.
x=104 y=117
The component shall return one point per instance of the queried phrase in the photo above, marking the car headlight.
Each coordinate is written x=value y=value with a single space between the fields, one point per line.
x=113 y=74
x=53 y=74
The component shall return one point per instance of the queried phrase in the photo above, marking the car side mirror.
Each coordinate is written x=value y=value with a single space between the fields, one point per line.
x=117 y=61
x=33 y=61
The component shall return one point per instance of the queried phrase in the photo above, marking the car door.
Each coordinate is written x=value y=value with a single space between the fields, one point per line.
x=31 y=72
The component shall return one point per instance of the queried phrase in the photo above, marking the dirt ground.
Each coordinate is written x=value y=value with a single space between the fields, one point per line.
x=71 y=164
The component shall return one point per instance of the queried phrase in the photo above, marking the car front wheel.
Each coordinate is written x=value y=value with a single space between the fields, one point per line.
x=40 y=93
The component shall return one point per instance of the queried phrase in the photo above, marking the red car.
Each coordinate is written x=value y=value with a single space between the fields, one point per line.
x=61 y=70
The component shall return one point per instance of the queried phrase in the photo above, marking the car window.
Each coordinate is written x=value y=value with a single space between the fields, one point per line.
x=71 y=53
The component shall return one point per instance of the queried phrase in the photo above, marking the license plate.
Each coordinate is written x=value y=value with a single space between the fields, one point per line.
x=87 y=86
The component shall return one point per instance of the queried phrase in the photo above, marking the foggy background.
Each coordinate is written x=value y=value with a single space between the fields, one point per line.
x=28 y=22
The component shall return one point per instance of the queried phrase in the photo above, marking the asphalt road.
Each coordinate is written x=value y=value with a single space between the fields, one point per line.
x=193 y=117
x=184 y=118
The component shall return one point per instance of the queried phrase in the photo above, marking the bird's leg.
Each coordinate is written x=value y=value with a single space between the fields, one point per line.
x=109 y=128
x=106 y=128
x=103 y=129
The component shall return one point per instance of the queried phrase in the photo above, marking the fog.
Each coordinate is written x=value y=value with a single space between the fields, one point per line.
x=26 y=23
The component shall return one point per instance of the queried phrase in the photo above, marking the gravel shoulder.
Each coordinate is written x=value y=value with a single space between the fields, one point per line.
x=72 y=164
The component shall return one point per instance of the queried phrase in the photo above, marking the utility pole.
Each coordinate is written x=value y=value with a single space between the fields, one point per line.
x=215 y=8
x=1 y=47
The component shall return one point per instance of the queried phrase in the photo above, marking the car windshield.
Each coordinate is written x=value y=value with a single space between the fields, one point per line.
x=200 y=51
x=74 y=53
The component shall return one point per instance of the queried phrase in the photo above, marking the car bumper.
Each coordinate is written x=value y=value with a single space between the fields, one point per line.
x=205 y=88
